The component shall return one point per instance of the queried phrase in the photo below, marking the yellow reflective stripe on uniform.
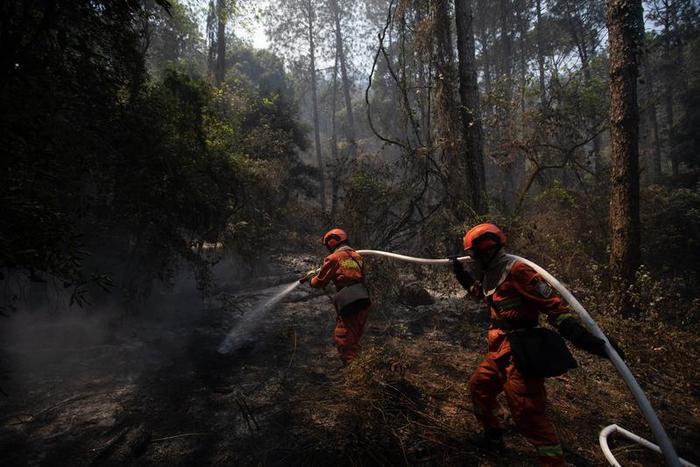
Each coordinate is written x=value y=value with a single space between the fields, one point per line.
x=508 y=303
x=552 y=450
x=349 y=264
x=562 y=317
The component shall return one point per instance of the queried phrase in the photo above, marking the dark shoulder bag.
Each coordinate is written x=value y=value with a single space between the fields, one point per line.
x=352 y=298
x=540 y=352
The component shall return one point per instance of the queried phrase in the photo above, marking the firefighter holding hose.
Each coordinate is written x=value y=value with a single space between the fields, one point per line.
x=345 y=268
x=520 y=353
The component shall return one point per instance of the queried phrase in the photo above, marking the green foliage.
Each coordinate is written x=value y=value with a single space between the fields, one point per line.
x=372 y=205
x=686 y=144
x=174 y=40
x=671 y=232
x=108 y=171
x=68 y=68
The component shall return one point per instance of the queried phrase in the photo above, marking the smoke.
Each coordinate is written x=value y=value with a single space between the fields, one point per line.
x=244 y=330
x=47 y=339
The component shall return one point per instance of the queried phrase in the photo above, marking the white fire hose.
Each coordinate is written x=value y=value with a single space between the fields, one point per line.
x=610 y=429
x=665 y=446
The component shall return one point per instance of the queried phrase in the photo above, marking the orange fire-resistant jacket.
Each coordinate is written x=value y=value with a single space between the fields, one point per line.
x=343 y=267
x=519 y=299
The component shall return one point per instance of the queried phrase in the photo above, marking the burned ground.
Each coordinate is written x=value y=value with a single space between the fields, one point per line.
x=157 y=392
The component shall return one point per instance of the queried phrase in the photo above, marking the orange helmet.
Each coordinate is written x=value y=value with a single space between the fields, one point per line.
x=334 y=237
x=484 y=236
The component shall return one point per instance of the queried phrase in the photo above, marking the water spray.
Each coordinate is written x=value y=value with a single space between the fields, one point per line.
x=238 y=335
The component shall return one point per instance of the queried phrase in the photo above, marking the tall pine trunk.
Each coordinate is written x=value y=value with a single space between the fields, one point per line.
x=540 y=53
x=310 y=11
x=335 y=181
x=447 y=114
x=668 y=95
x=220 y=69
x=340 y=50
x=505 y=118
x=470 y=108
x=654 y=165
x=625 y=26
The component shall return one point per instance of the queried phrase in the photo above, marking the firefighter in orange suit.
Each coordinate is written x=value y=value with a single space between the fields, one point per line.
x=516 y=296
x=344 y=267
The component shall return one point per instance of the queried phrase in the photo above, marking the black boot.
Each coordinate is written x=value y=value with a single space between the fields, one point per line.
x=491 y=440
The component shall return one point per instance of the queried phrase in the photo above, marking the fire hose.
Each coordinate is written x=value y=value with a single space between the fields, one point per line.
x=664 y=443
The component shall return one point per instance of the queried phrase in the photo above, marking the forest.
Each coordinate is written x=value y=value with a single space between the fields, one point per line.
x=174 y=172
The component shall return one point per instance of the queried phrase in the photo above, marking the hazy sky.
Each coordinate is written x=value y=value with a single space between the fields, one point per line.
x=259 y=37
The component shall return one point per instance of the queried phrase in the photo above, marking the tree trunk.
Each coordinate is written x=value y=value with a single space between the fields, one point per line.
x=523 y=25
x=625 y=26
x=540 y=54
x=423 y=82
x=220 y=69
x=335 y=181
x=470 y=108
x=350 y=131
x=310 y=10
x=505 y=118
x=597 y=143
x=668 y=95
x=447 y=113
x=654 y=165
x=655 y=169
x=506 y=39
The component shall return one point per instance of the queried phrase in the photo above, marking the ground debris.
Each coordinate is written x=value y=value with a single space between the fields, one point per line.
x=286 y=400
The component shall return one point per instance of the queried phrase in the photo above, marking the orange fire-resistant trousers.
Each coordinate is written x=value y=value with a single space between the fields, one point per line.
x=526 y=398
x=348 y=331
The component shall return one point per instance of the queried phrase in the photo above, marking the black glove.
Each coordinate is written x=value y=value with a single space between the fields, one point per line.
x=615 y=346
x=581 y=338
x=463 y=277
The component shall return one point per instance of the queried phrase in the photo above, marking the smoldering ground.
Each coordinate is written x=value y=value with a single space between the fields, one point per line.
x=79 y=372
x=152 y=389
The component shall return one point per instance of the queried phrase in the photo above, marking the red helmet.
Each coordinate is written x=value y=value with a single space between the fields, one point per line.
x=484 y=236
x=334 y=237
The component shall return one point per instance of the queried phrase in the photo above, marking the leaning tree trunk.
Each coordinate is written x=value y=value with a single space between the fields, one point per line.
x=470 y=108
x=314 y=101
x=625 y=26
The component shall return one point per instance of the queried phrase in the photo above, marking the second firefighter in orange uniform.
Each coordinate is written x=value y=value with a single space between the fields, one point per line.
x=344 y=267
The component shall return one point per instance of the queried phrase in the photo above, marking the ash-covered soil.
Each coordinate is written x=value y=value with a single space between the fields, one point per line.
x=92 y=391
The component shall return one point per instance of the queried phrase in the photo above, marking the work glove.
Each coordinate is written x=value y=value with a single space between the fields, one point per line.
x=615 y=345
x=583 y=339
x=463 y=277
x=309 y=275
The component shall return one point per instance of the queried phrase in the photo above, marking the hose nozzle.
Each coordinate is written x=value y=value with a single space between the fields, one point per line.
x=309 y=275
